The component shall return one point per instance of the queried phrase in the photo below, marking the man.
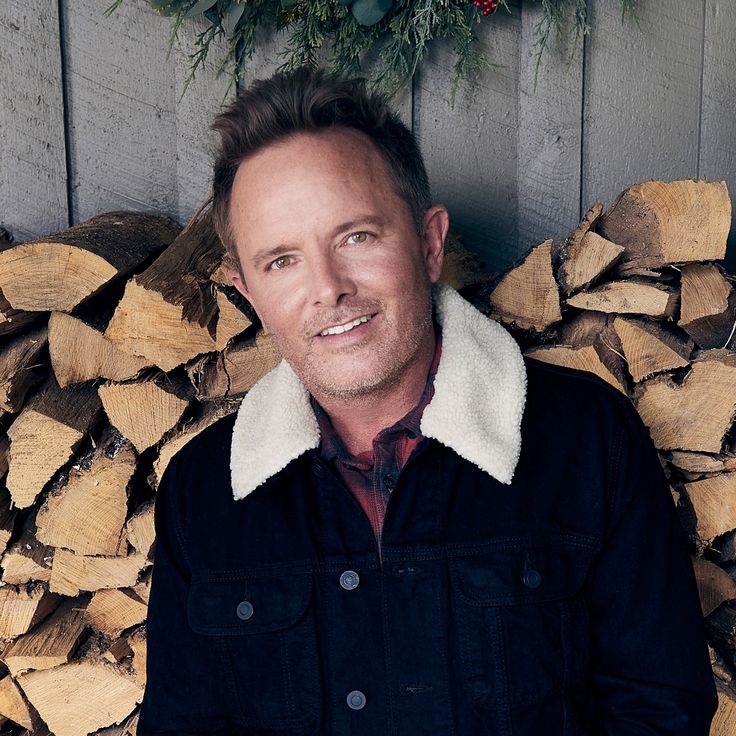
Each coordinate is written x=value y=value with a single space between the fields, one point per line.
x=408 y=528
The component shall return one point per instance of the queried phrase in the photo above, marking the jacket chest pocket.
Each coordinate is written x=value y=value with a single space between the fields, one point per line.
x=266 y=628
x=522 y=624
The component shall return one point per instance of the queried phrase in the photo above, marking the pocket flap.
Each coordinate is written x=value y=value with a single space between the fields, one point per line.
x=522 y=574
x=248 y=605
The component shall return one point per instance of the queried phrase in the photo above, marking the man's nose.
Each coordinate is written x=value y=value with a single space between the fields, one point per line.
x=330 y=281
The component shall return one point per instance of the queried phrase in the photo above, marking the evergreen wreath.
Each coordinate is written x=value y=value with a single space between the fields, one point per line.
x=397 y=31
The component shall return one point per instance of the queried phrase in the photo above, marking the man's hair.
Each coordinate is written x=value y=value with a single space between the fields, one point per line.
x=307 y=100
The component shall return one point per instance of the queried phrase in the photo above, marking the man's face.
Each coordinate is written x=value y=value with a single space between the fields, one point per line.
x=332 y=261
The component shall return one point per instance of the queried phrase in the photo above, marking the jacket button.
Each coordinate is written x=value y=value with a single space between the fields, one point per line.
x=356 y=700
x=532 y=579
x=349 y=580
x=244 y=610
x=317 y=469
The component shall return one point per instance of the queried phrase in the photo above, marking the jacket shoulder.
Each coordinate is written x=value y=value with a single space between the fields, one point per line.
x=576 y=393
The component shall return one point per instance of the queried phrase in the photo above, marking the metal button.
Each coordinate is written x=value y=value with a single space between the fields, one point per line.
x=244 y=610
x=532 y=579
x=356 y=700
x=349 y=580
x=317 y=469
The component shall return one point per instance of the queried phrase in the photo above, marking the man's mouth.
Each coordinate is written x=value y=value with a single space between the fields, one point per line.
x=339 y=329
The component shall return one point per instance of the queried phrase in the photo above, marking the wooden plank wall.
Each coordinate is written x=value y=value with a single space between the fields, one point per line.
x=92 y=116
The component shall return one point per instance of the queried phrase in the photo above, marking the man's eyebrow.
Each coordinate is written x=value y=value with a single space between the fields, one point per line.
x=268 y=254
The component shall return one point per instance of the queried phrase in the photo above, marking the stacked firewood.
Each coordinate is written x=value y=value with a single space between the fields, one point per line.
x=122 y=338
x=636 y=295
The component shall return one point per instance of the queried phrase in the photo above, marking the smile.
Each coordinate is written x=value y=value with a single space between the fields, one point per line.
x=339 y=329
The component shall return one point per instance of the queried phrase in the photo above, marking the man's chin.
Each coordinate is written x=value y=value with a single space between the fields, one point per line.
x=355 y=388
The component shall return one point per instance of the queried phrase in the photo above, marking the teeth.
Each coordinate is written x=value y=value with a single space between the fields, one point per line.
x=338 y=329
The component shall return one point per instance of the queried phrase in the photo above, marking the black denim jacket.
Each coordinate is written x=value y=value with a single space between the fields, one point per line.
x=562 y=602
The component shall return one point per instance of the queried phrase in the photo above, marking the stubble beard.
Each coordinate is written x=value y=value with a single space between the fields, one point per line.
x=388 y=374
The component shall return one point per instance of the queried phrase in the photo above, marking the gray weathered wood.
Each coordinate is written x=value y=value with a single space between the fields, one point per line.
x=205 y=96
x=471 y=150
x=122 y=97
x=642 y=96
x=33 y=195
x=550 y=129
x=718 y=121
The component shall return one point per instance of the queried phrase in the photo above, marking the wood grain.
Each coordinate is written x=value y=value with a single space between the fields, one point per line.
x=122 y=97
x=33 y=198
x=642 y=96
x=471 y=150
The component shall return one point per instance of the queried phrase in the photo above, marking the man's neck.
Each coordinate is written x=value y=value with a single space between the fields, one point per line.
x=357 y=420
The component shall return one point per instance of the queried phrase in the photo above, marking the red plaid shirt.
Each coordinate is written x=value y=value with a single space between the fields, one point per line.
x=372 y=475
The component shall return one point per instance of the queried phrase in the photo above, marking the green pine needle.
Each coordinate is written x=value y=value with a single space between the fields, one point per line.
x=388 y=52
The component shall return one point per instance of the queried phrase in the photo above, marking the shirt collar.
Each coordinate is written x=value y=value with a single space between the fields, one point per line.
x=331 y=446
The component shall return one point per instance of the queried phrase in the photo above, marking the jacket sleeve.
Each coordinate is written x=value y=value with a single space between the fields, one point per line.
x=651 y=671
x=183 y=694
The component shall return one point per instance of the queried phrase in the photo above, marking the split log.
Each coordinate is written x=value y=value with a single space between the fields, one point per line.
x=169 y=312
x=649 y=349
x=724 y=720
x=714 y=503
x=696 y=414
x=146 y=324
x=208 y=414
x=12 y=703
x=527 y=296
x=235 y=370
x=14 y=321
x=715 y=585
x=698 y=463
x=45 y=435
x=58 y=272
x=127 y=728
x=7 y=518
x=460 y=267
x=81 y=353
x=78 y=698
x=707 y=306
x=230 y=322
x=119 y=650
x=49 y=644
x=23 y=607
x=137 y=642
x=71 y=573
x=628 y=297
x=96 y=493
x=4 y=458
x=676 y=222
x=584 y=359
x=721 y=627
x=22 y=366
x=112 y=611
x=144 y=411
x=596 y=329
x=585 y=257
x=142 y=589
x=140 y=529
x=28 y=559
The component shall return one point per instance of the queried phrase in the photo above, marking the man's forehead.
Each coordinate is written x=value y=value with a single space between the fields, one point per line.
x=310 y=146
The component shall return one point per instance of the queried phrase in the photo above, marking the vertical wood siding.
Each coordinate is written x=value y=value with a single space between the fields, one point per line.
x=33 y=167
x=92 y=117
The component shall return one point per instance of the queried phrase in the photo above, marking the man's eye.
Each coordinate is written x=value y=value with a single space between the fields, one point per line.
x=279 y=263
x=358 y=238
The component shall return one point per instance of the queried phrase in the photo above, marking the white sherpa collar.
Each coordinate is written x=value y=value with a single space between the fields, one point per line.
x=476 y=409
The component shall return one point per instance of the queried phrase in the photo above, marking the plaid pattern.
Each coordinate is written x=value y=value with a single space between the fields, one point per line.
x=372 y=475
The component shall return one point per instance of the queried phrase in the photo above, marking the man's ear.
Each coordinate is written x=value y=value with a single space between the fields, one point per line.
x=435 y=226
x=236 y=277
